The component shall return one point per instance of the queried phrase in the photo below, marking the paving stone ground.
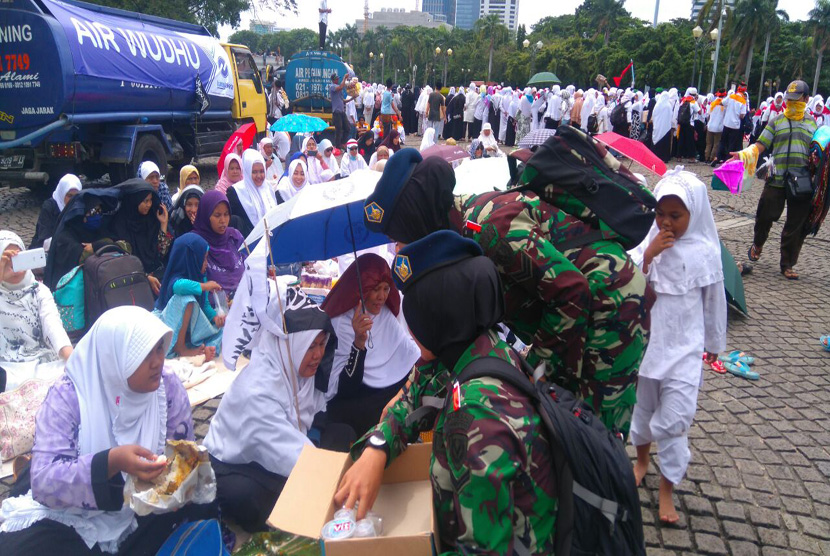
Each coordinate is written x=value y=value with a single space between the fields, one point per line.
x=758 y=483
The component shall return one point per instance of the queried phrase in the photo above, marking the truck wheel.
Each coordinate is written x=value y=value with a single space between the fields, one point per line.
x=147 y=148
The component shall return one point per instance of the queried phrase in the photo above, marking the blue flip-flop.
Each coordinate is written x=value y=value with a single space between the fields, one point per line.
x=742 y=370
x=737 y=355
x=825 y=342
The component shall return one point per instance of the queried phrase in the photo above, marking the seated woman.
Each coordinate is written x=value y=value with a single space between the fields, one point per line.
x=263 y=421
x=183 y=302
x=381 y=154
x=142 y=222
x=488 y=141
x=149 y=172
x=391 y=142
x=82 y=229
x=188 y=175
x=226 y=263
x=365 y=146
x=273 y=166
x=184 y=210
x=251 y=198
x=328 y=156
x=33 y=343
x=352 y=161
x=110 y=415
x=314 y=160
x=231 y=173
x=50 y=211
x=375 y=353
x=476 y=150
x=292 y=183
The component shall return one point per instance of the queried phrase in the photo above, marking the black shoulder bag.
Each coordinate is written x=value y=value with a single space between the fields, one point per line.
x=797 y=181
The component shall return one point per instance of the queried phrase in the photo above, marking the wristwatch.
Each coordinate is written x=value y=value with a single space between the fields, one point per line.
x=378 y=442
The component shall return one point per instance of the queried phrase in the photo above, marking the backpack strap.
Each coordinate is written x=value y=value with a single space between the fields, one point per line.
x=495 y=367
x=429 y=404
x=608 y=508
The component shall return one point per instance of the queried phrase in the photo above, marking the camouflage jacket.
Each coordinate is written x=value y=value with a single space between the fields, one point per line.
x=492 y=478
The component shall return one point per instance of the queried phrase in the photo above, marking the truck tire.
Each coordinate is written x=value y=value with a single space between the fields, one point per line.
x=148 y=147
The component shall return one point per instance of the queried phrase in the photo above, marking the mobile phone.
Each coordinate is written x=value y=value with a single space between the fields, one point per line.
x=28 y=260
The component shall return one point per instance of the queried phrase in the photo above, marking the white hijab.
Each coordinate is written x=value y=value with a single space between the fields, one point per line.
x=428 y=139
x=146 y=168
x=488 y=141
x=662 y=117
x=331 y=161
x=286 y=188
x=68 y=183
x=315 y=169
x=256 y=201
x=267 y=412
x=695 y=260
x=421 y=105
x=111 y=415
x=8 y=238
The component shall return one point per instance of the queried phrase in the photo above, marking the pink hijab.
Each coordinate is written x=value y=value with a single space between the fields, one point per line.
x=224 y=182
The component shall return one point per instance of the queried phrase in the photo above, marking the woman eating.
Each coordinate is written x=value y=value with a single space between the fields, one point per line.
x=226 y=263
x=188 y=175
x=273 y=166
x=294 y=181
x=328 y=156
x=149 y=172
x=314 y=160
x=82 y=229
x=250 y=199
x=263 y=421
x=33 y=343
x=142 y=222
x=185 y=209
x=50 y=211
x=109 y=416
x=367 y=373
x=183 y=303
x=231 y=173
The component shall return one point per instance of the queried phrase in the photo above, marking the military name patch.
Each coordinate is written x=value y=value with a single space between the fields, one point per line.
x=403 y=267
x=374 y=213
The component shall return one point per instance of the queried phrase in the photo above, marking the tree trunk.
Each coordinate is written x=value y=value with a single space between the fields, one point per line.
x=818 y=71
x=749 y=59
x=728 y=67
x=763 y=70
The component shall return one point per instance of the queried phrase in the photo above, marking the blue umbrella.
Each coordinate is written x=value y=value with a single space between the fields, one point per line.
x=299 y=123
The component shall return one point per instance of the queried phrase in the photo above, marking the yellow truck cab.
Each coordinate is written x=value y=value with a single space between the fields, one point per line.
x=250 y=102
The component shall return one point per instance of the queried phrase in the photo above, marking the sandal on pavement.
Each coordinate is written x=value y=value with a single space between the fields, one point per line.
x=716 y=365
x=742 y=370
x=825 y=343
x=737 y=355
x=753 y=254
x=745 y=268
x=789 y=273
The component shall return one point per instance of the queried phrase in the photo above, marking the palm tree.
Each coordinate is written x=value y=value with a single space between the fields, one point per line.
x=798 y=52
x=490 y=27
x=604 y=16
x=820 y=22
x=350 y=37
x=752 y=19
x=708 y=14
x=772 y=26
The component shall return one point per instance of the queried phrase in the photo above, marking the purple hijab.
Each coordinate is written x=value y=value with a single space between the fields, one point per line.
x=225 y=262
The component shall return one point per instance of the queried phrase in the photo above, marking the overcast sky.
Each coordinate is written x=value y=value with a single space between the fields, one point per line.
x=530 y=11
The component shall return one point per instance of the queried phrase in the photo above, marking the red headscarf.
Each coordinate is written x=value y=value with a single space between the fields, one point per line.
x=373 y=270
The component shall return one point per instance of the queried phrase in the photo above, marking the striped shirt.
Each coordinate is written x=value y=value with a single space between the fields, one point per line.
x=778 y=138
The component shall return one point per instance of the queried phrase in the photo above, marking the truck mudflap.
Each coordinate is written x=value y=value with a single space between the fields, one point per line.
x=118 y=142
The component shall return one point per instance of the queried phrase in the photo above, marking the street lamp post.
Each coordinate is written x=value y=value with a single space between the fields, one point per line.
x=382 y=67
x=446 y=60
x=697 y=33
x=437 y=53
x=536 y=47
x=714 y=36
x=371 y=69
x=717 y=50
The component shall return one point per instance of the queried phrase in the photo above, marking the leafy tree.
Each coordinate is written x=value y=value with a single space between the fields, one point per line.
x=820 y=23
x=490 y=28
x=210 y=13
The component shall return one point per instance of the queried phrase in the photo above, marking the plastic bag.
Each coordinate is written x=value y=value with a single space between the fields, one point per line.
x=198 y=487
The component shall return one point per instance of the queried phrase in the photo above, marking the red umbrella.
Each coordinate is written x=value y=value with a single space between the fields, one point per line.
x=634 y=150
x=245 y=134
x=450 y=153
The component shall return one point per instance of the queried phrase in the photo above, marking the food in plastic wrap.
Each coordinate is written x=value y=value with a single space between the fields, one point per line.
x=278 y=543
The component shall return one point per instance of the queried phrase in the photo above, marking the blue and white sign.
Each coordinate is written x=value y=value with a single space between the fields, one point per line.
x=308 y=76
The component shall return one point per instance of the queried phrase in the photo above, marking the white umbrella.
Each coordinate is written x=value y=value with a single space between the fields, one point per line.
x=481 y=175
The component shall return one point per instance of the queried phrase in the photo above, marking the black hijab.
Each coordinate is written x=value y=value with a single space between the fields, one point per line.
x=450 y=307
x=366 y=150
x=140 y=231
x=178 y=218
x=424 y=203
x=71 y=232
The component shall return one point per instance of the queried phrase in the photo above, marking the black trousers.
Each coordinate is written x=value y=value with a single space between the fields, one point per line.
x=730 y=141
x=361 y=410
x=322 y=36
x=551 y=123
x=50 y=537
x=770 y=208
x=341 y=128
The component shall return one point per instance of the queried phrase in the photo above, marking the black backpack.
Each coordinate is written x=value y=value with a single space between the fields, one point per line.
x=593 y=124
x=684 y=115
x=619 y=116
x=570 y=161
x=112 y=278
x=599 y=507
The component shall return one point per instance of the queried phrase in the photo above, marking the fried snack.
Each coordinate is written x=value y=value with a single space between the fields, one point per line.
x=184 y=459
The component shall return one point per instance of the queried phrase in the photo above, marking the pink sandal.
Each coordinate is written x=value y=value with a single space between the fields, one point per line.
x=716 y=366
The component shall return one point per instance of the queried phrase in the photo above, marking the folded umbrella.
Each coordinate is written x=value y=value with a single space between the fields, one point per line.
x=733 y=281
x=245 y=135
x=633 y=150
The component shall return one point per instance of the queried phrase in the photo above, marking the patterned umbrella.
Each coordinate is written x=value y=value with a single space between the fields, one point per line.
x=536 y=137
x=299 y=123
x=450 y=153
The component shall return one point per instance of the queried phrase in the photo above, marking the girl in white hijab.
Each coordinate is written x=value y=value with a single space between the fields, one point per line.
x=273 y=166
x=33 y=343
x=428 y=139
x=662 y=124
x=50 y=211
x=327 y=150
x=294 y=182
x=264 y=420
x=688 y=318
x=251 y=198
x=109 y=416
x=488 y=141
x=314 y=160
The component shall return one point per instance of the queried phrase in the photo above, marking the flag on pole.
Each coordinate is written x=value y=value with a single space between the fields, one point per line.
x=618 y=79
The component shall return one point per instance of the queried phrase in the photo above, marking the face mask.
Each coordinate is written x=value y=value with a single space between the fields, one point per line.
x=352 y=156
x=93 y=222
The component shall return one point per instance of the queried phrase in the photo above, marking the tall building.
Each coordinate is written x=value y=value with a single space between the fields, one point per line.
x=261 y=27
x=697 y=5
x=507 y=10
x=399 y=17
x=440 y=9
x=467 y=13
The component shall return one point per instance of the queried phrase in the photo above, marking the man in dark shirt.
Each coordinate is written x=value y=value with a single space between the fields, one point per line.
x=436 y=110
x=338 y=111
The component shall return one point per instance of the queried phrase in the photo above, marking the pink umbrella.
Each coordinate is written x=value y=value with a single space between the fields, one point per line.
x=634 y=150
x=245 y=135
x=450 y=153
x=731 y=175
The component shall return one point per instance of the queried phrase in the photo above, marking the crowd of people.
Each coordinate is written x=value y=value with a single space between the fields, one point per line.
x=620 y=324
